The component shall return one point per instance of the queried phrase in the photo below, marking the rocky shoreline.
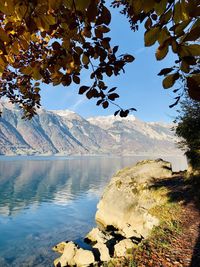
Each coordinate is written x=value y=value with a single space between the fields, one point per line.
x=123 y=216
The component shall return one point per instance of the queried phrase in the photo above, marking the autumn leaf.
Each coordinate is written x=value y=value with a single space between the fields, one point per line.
x=190 y=50
x=83 y=89
x=56 y=40
x=151 y=36
x=162 y=52
x=193 y=86
x=105 y=104
x=170 y=80
x=113 y=96
x=165 y=71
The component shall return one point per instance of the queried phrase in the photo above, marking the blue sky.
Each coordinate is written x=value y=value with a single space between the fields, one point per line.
x=139 y=87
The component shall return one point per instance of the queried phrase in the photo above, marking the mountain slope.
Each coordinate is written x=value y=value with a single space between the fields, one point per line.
x=65 y=132
x=133 y=135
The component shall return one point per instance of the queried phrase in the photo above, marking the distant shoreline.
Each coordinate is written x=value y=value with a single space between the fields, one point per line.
x=93 y=155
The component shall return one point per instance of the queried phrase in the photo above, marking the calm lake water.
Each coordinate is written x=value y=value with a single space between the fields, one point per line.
x=45 y=200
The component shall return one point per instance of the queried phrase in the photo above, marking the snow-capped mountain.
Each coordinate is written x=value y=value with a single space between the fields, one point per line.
x=65 y=132
x=159 y=131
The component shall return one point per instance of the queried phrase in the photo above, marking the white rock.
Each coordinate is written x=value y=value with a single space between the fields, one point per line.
x=96 y=235
x=103 y=251
x=83 y=258
x=59 y=247
x=67 y=257
x=128 y=198
x=120 y=249
x=56 y=262
x=128 y=231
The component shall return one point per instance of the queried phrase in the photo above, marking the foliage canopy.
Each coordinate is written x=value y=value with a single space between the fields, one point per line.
x=188 y=129
x=52 y=41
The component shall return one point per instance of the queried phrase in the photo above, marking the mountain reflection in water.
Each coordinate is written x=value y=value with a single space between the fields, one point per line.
x=44 y=200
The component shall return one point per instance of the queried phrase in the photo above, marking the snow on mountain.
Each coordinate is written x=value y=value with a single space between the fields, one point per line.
x=65 y=132
x=105 y=122
x=153 y=130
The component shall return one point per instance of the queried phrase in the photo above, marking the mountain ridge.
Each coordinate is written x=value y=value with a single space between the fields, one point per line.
x=64 y=132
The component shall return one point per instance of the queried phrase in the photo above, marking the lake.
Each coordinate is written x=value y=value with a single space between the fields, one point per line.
x=46 y=200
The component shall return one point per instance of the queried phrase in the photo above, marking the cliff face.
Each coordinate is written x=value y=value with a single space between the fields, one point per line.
x=65 y=132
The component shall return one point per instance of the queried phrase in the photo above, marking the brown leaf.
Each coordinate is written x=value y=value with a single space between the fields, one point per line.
x=106 y=15
x=170 y=80
x=190 y=50
x=83 y=89
x=165 y=71
x=92 y=11
x=193 y=84
x=105 y=104
x=76 y=79
x=124 y=113
x=193 y=35
x=151 y=36
x=162 y=51
x=129 y=58
x=113 y=96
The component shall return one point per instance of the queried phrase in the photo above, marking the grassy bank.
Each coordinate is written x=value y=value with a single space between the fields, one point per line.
x=176 y=241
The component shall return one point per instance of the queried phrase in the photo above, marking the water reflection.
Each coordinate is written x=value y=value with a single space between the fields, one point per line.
x=46 y=200
x=24 y=182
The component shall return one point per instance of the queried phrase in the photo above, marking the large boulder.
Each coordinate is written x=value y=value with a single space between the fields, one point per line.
x=121 y=248
x=83 y=258
x=67 y=257
x=124 y=215
x=128 y=199
x=72 y=255
x=96 y=235
x=103 y=251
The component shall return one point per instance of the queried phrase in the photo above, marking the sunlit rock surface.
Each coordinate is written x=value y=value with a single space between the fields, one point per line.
x=123 y=215
x=127 y=199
